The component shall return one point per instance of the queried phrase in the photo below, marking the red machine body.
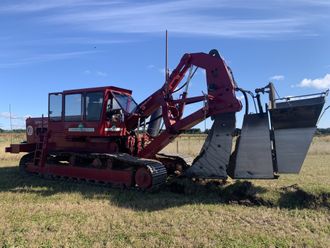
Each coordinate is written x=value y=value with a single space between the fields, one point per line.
x=81 y=120
x=100 y=133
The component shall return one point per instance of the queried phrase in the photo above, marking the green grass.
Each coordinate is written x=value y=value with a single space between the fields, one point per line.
x=36 y=212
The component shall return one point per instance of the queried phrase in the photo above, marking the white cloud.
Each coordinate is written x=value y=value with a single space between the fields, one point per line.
x=92 y=41
x=151 y=66
x=39 y=58
x=41 y=5
x=97 y=73
x=7 y=115
x=184 y=17
x=318 y=83
x=101 y=74
x=17 y=122
x=277 y=78
x=160 y=70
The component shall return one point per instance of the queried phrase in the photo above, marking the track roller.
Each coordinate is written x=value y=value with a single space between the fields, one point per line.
x=150 y=176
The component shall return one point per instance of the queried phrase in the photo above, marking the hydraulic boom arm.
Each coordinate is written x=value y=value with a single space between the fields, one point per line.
x=220 y=98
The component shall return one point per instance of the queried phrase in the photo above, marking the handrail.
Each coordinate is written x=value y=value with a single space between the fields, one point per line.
x=288 y=98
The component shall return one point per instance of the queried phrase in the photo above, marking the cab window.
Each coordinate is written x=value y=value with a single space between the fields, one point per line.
x=125 y=102
x=55 y=107
x=73 y=107
x=112 y=104
x=93 y=106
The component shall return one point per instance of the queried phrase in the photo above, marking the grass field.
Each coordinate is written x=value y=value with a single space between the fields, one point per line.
x=293 y=211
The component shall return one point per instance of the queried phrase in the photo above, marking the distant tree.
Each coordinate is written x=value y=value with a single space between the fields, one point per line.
x=323 y=131
x=193 y=131
x=206 y=131
x=19 y=131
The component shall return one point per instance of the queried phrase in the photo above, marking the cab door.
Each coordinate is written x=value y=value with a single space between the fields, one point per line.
x=83 y=113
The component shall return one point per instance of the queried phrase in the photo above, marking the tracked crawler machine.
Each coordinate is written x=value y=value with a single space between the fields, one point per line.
x=103 y=135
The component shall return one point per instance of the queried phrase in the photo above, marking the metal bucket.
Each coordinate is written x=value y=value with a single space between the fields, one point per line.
x=280 y=146
x=271 y=142
x=253 y=154
x=294 y=124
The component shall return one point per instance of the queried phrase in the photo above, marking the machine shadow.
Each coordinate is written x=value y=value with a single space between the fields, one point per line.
x=174 y=194
x=294 y=197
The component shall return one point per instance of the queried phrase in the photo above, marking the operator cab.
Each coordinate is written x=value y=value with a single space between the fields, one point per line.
x=120 y=103
x=91 y=112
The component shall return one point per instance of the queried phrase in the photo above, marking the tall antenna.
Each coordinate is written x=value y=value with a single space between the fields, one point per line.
x=11 y=125
x=166 y=58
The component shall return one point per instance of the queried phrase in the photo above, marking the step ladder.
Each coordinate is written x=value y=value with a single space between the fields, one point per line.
x=40 y=152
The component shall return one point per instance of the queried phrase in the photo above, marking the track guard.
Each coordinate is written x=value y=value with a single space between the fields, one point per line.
x=213 y=159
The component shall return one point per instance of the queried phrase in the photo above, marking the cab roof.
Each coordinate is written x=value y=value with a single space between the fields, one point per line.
x=105 y=88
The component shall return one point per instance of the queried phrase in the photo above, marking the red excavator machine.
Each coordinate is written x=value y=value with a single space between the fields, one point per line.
x=103 y=135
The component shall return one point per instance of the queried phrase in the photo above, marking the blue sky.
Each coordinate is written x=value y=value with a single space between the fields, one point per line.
x=48 y=46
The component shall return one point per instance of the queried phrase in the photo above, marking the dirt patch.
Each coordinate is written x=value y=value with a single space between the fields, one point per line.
x=295 y=197
x=239 y=192
x=245 y=193
x=248 y=194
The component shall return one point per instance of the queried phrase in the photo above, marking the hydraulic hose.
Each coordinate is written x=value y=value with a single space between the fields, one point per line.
x=261 y=111
x=245 y=98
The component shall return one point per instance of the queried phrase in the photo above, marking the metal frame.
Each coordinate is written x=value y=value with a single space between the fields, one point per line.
x=93 y=137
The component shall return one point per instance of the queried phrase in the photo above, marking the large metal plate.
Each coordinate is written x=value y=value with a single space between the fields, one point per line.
x=297 y=114
x=291 y=148
x=254 y=154
x=213 y=160
x=294 y=124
